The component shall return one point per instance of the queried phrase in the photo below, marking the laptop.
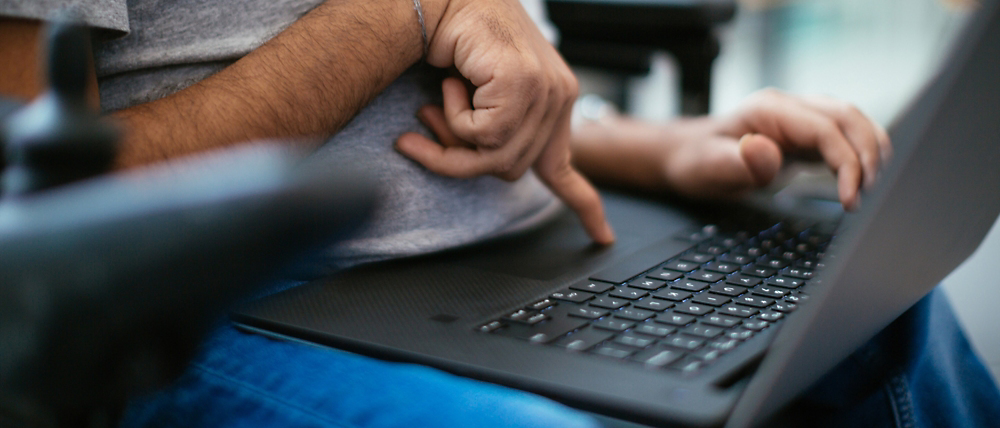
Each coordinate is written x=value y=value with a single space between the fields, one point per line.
x=678 y=322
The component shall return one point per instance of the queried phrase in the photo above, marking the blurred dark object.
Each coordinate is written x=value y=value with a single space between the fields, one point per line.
x=107 y=284
x=57 y=139
x=621 y=35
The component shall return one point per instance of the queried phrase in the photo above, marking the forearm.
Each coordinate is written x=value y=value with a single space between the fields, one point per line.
x=308 y=81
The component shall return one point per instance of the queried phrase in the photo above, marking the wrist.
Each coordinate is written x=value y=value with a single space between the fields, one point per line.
x=433 y=11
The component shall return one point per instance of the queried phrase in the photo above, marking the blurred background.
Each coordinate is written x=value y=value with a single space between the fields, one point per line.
x=876 y=54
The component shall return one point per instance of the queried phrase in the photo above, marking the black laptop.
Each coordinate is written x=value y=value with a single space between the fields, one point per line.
x=716 y=315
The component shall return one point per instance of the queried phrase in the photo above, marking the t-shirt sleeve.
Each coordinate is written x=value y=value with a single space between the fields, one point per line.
x=104 y=14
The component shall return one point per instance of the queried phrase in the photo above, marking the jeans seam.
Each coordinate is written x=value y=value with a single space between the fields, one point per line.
x=270 y=397
x=899 y=398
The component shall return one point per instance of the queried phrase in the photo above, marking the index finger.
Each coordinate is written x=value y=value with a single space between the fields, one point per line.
x=554 y=169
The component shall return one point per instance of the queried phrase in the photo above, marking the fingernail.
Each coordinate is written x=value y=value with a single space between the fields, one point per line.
x=745 y=137
x=609 y=233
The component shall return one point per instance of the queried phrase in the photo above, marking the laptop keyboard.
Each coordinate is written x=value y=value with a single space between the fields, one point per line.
x=687 y=311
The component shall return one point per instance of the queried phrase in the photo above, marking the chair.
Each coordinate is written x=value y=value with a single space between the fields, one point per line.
x=621 y=35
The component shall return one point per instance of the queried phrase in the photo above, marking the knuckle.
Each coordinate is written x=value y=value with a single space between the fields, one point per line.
x=572 y=86
x=531 y=77
x=504 y=165
x=849 y=111
x=492 y=139
x=768 y=95
x=557 y=172
x=828 y=130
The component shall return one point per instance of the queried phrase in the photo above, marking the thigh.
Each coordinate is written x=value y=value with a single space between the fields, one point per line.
x=243 y=379
x=919 y=372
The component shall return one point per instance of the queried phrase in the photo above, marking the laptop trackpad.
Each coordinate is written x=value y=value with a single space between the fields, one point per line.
x=562 y=247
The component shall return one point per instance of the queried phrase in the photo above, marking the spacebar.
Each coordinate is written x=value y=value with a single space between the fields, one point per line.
x=641 y=261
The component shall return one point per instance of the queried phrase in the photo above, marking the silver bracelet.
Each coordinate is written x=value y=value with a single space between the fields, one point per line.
x=423 y=27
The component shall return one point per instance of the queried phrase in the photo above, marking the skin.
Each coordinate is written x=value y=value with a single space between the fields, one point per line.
x=724 y=156
x=516 y=117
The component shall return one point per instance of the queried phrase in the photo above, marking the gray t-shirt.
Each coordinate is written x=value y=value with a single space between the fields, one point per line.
x=157 y=47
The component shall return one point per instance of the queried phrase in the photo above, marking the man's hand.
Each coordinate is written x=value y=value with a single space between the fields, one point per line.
x=719 y=157
x=518 y=117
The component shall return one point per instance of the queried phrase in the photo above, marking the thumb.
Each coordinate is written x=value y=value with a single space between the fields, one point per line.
x=762 y=157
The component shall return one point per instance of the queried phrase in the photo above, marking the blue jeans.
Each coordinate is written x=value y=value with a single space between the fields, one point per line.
x=920 y=371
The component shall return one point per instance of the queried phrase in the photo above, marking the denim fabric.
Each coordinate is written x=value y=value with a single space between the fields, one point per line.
x=919 y=372
x=247 y=380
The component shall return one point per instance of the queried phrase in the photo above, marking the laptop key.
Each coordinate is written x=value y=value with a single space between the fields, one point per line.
x=674 y=319
x=770 y=316
x=702 y=331
x=707 y=354
x=572 y=296
x=653 y=304
x=671 y=294
x=743 y=280
x=727 y=290
x=588 y=313
x=736 y=258
x=597 y=287
x=720 y=320
x=647 y=284
x=772 y=292
x=772 y=262
x=757 y=302
x=613 y=351
x=608 y=302
x=723 y=344
x=542 y=304
x=785 y=282
x=739 y=334
x=490 y=326
x=633 y=340
x=648 y=328
x=755 y=325
x=725 y=268
x=797 y=273
x=584 y=339
x=657 y=356
x=706 y=276
x=738 y=311
x=536 y=318
x=665 y=275
x=711 y=299
x=806 y=263
x=692 y=308
x=544 y=332
x=796 y=298
x=698 y=258
x=520 y=315
x=683 y=342
x=633 y=314
x=758 y=271
x=628 y=293
x=714 y=249
x=681 y=266
x=613 y=324
x=690 y=285
x=785 y=307
x=688 y=366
